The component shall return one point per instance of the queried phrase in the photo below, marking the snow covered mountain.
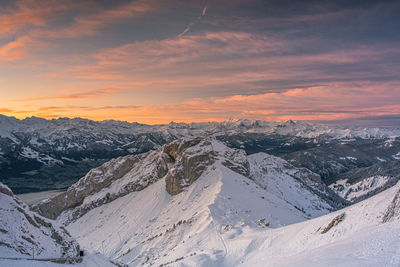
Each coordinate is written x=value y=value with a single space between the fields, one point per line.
x=182 y=201
x=196 y=202
x=38 y=154
x=26 y=234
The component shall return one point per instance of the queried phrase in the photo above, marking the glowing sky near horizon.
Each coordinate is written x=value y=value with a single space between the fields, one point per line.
x=156 y=61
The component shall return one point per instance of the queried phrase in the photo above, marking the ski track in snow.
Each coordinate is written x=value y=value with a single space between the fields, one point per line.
x=222 y=241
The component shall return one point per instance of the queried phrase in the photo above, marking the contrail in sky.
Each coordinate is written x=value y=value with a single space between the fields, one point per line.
x=203 y=13
x=204 y=10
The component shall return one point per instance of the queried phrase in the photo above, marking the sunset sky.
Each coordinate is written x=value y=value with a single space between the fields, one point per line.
x=156 y=61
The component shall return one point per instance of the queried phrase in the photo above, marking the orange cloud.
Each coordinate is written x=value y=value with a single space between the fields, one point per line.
x=25 y=14
x=18 y=49
x=31 y=13
x=225 y=62
x=97 y=93
x=29 y=23
x=13 y=51
x=179 y=61
x=90 y=23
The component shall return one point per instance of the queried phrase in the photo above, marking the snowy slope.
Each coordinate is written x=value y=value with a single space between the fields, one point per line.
x=368 y=235
x=221 y=194
x=25 y=234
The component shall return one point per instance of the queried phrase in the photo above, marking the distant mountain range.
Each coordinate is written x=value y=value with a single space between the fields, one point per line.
x=38 y=154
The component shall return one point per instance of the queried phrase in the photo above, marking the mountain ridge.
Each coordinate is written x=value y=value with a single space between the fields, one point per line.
x=180 y=163
x=220 y=216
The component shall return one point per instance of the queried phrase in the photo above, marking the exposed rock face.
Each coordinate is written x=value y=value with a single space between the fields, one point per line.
x=190 y=158
x=338 y=219
x=172 y=185
x=28 y=233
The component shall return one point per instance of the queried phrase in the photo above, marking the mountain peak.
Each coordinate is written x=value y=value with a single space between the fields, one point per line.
x=192 y=156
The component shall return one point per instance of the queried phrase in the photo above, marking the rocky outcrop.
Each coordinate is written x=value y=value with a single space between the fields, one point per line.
x=393 y=210
x=172 y=185
x=28 y=233
x=191 y=158
x=137 y=171
x=335 y=221
x=5 y=190
x=180 y=163
x=93 y=182
x=236 y=160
